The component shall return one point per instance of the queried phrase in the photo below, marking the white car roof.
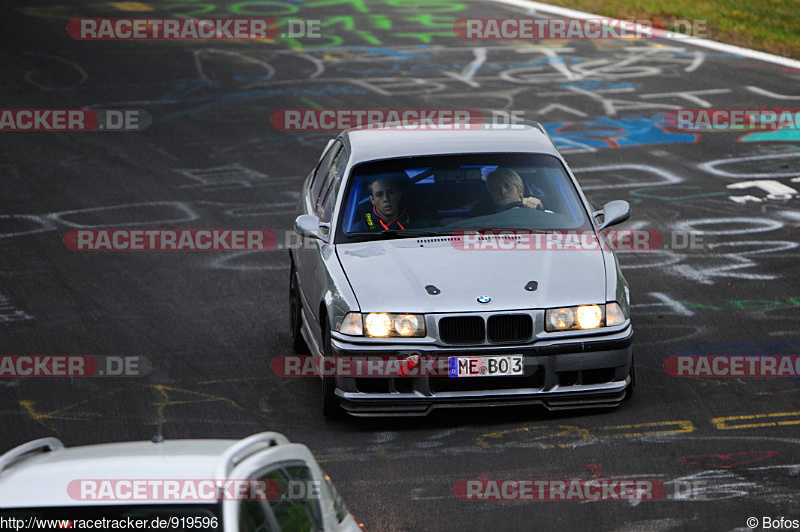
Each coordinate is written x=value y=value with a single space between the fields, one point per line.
x=373 y=144
x=41 y=478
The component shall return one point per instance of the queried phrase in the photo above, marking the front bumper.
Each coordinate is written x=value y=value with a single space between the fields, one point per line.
x=586 y=372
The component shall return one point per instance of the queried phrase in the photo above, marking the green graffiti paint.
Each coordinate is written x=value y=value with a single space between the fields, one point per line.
x=743 y=304
x=646 y=192
x=425 y=37
x=749 y=304
x=691 y=305
x=189 y=10
x=311 y=103
x=263 y=9
x=422 y=20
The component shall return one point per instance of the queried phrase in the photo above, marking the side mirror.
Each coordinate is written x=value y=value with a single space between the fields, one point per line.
x=309 y=226
x=614 y=212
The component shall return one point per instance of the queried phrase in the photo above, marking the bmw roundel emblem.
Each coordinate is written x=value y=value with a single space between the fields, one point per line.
x=484 y=299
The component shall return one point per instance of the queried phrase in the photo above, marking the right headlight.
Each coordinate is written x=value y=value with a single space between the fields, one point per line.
x=583 y=317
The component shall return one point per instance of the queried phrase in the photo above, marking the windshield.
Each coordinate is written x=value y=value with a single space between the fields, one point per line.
x=452 y=193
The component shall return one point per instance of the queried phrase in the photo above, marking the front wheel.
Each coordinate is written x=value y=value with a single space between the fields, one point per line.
x=331 y=408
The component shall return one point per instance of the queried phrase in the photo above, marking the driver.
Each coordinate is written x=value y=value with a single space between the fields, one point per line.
x=507 y=192
x=388 y=212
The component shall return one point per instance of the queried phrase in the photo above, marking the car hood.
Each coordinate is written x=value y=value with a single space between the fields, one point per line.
x=391 y=276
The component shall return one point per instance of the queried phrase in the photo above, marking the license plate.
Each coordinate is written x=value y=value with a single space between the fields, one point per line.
x=486 y=366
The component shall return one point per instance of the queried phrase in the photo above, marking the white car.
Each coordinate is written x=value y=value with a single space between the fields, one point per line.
x=263 y=482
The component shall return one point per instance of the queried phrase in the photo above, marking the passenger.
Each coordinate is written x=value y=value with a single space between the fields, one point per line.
x=388 y=211
x=506 y=192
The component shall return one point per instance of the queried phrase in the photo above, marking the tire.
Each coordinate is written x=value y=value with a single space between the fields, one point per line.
x=295 y=316
x=331 y=408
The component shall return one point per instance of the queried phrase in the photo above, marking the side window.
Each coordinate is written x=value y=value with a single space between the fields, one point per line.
x=322 y=171
x=296 y=508
x=305 y=491
x=253 y=516
x=330 y=191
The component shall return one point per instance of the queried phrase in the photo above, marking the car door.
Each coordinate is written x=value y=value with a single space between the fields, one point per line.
x=312 y=256
x=306 y=500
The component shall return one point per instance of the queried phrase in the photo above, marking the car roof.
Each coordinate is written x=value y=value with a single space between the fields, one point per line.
x=40 y=478
x=369 y=144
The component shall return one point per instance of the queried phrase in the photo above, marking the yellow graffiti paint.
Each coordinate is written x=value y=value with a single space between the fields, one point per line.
x=131 y=6
x=659 y=428
x=170 y=396
x=536 y=433
x=764 y=420
x=166 y=396
x=46 y=418
x=542 y=434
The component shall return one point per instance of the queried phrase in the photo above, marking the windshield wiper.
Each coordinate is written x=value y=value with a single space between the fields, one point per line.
x=399 y=233
x=516 y=230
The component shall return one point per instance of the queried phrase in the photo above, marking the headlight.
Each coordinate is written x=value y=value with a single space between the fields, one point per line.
x=560 y=319
x=378 y=324
x=352 y=324
x=381 y=324
x=583 y=317
x=409 y=324
x=571 y=318
x=614 y=314
x=589 y=316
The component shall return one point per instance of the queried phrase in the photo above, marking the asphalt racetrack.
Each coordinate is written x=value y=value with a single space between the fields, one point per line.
x=206 y=324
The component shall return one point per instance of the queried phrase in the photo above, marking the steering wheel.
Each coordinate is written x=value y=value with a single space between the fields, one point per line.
x=511 y=205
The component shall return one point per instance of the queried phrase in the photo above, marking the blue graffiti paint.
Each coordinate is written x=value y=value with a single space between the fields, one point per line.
x=183 y=88
x=597 y=85
x=780 y=135
x=369 y=69
x=616 y=133
x=386 y=52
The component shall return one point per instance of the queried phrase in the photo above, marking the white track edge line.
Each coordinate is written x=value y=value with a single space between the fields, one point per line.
x=705 y=43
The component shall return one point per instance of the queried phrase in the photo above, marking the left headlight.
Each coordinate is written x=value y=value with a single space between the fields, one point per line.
x=383 y=325
x=583 y=317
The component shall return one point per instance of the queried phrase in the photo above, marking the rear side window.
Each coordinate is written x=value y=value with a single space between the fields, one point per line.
x=296 y=508
x=331 y=188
